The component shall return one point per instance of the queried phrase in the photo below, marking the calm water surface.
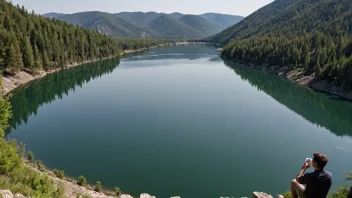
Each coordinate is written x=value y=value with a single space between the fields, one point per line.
x=181 y=121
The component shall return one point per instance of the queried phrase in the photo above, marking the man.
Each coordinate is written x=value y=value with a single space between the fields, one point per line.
x=317 y=183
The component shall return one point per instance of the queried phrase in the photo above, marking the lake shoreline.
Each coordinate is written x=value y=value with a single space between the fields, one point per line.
x=297 y=75
x=22 y=78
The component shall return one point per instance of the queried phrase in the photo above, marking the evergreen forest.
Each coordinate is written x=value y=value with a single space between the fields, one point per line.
x=312 y=35
x=33 y=42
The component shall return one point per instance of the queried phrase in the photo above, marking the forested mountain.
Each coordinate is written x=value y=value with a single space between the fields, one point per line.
x=140 y=18
x=170 y=27
x=314 y=35
x=151 y=24
x=253 y=22
x=201 y=24
x=109 y=24
x=222 y=20
x=31 y=41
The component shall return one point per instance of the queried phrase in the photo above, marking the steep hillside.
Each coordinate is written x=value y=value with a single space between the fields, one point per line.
x=311 y=36
x=222 y=20
x=140 y=18
x=109 y=24
x=253 y=22
x=171 y=27
x=201 y=24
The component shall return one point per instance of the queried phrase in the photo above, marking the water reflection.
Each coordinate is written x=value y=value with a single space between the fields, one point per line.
x=28 y=99
x=319 y=108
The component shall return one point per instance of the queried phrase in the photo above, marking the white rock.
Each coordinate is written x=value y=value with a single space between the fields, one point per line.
x=126 y=196
x=6 y=194
x=145 y=195
x=261 y=195
x=175 y=197
x=18 y=196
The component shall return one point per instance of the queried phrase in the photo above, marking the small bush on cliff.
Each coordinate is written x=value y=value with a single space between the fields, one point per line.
x=349 y=176
x=30 y=156
x=21 y=150
x=82 y=181
x=287 y=195
x=98 y=187
x=40 y=166
x=59 y=173
x=117 y=191
x=341 y=192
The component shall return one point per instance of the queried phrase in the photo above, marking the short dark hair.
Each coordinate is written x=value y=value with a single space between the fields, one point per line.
x=320 y=159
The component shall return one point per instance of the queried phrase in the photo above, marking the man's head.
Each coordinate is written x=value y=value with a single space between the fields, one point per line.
x=319 y=161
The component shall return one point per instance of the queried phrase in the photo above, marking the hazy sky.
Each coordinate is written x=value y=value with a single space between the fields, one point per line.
x=235 y=7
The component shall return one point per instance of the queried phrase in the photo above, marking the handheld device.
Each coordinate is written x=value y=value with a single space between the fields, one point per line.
x=309 y=160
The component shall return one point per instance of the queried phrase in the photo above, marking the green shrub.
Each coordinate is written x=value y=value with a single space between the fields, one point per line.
x=5 y=113
x=98 y=186
x=21 y=149
x=9 y=160
x=59 y=173
x=117 y=191
x=40 y=166
x=59 y=193
x=349 y=176
x=287 y=195
x=341 y=192
x=82 y=181
x=30 y=156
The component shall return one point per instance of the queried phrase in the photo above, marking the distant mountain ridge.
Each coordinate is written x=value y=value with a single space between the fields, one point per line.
x=150 y=24
x=53 y=15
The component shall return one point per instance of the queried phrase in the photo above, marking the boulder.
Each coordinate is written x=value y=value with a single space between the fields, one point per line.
x=145 y=195
x=175 y=197
x=6 y=194
x=261 y=195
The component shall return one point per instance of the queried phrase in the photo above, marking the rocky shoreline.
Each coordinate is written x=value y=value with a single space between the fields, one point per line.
x=298 y=76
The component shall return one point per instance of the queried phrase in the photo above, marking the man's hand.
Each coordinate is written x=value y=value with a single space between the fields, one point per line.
x=304 y=168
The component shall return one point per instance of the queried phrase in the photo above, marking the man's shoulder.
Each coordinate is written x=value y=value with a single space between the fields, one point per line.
x=327 y=173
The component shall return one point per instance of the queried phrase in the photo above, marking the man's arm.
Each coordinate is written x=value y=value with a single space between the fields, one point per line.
x=301 y=172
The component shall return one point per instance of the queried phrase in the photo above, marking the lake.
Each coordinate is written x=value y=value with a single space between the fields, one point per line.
x=181 y=121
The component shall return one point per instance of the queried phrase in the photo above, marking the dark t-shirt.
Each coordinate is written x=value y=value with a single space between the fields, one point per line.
x=318 y=183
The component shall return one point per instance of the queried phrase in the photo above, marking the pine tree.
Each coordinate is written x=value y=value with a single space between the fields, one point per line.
x=14 y=57
x=45 y=59
x=28 y=58
x=37 y=58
